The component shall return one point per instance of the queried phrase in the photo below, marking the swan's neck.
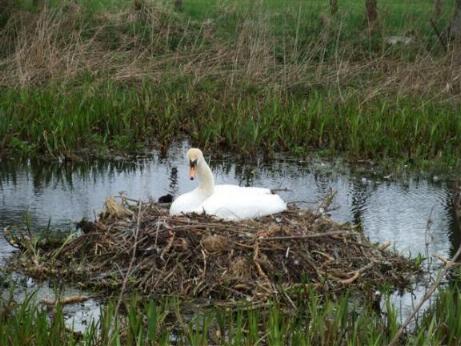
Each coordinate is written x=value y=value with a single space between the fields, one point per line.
x=206 y=179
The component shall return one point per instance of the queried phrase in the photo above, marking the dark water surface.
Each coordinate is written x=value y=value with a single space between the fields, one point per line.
x=389 y=210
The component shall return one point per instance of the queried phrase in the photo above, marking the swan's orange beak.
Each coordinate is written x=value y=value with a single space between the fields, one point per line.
x=192 y=172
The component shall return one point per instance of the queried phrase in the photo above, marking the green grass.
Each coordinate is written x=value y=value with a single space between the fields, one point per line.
x=55 y=121
x=315 y=322
x=231 y=75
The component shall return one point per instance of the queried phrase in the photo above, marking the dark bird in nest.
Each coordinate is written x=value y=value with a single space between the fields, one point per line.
x=86 y=226
x=166 y=198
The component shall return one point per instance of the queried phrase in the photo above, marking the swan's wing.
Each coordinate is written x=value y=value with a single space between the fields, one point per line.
x=189 y=202
x=241 y=189
x=243 y=203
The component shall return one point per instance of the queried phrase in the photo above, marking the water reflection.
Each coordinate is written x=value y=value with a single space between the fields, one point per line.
x=395 y=211
x=76 y=316
x=388 y=210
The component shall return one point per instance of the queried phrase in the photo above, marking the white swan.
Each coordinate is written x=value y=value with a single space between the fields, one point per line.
x=228 y=202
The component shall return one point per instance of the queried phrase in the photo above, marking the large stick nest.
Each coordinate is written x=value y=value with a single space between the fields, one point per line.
x=199 y=256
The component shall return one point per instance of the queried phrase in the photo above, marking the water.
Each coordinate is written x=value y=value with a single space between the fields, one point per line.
x=389 y=210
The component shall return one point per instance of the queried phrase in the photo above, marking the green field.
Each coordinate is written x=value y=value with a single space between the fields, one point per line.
x=91 y=78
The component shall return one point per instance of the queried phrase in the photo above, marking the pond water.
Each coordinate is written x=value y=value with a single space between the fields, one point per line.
x=394 y=210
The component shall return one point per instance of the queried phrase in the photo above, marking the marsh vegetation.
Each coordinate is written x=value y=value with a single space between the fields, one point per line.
x=150 y=322
x=90 y=77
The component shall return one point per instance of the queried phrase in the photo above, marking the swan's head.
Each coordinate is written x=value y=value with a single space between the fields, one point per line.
x=195 y=156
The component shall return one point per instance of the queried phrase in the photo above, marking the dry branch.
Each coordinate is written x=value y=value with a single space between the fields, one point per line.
x=441 y=274
x=65 y=300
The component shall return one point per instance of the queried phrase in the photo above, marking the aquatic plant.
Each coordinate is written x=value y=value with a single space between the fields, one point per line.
x=53 y=123
x=145 y=321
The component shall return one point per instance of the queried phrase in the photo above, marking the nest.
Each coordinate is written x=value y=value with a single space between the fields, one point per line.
x=144 y=248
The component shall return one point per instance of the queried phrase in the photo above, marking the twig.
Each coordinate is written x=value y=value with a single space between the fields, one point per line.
x=356 y=273
x=168 y=245
x=256 y=262
x=326 y=202
x=124 y=198
x=284 y=189
x=66 y=300
x=426 y=297
x=204 y=264
x=133 y=257
x=289 y=299
x=307 y=236
x=294 y=203
x=442 y=259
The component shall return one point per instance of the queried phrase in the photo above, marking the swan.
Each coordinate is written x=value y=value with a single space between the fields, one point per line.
x=227 y=202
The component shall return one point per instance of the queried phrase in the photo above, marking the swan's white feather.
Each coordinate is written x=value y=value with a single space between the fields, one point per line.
x=230 y=202
x=189 y=202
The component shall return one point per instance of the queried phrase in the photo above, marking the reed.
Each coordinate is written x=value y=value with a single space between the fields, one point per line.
x=53 y=122
x=146 y=322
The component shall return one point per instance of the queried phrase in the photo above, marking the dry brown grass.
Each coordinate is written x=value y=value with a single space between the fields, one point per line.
x=47 y=46
x=56 y=45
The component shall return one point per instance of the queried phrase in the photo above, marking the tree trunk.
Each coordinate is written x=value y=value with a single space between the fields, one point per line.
x=455 y=27
x=333 y=7
x=371 y=11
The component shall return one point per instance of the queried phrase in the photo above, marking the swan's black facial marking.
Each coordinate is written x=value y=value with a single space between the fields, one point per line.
x=193 y=166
